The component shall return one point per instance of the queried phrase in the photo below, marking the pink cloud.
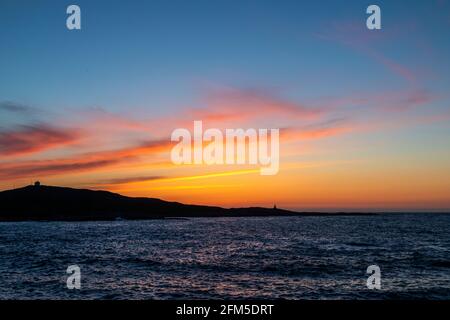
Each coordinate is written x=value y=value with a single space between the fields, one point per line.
x=356 y=36
x=238 y=106
x=83 y=162
x=29 y=139
x=326 y=129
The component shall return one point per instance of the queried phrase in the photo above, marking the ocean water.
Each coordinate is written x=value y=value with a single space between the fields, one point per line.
x=229 y=258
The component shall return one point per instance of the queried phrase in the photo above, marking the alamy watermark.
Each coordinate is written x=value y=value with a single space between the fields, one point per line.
x=374 y=280
x=373 y=22
x=234 y=146
x=73 y=21
x=74 y=280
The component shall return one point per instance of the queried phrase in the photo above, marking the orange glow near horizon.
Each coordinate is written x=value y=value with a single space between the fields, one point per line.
x=327 y=165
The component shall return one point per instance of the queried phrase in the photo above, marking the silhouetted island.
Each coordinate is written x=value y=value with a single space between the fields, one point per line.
x=43 y=203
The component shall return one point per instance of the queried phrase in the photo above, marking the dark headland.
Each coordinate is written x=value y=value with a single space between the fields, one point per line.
x=48 y=203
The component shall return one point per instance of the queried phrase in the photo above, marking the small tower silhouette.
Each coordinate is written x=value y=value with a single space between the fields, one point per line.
x=274 y=207
x=37 y=184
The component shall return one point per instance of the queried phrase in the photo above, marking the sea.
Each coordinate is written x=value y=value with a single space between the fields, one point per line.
x=316 y=257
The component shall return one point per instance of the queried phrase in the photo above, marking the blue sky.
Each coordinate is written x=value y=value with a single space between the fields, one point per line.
x=158 y=54
x=138 y=69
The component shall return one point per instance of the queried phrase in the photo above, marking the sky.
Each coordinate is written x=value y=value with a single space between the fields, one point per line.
x=363 y=114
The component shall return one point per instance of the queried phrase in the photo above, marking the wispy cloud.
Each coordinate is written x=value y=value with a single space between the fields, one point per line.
x=330 y=128
x=81 y=163
x=14 y=107
x=27 y=139
x=244 y=105
x=127 y=180
x=137 y=141
x=356 y=36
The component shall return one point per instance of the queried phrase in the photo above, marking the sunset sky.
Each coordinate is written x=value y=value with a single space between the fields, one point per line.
x=364 y=115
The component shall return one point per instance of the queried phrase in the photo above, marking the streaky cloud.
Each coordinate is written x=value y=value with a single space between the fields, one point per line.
x=14 y=107
x=27 y=139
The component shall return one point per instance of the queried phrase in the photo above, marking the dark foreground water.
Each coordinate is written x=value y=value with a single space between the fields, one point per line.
x=203 y=258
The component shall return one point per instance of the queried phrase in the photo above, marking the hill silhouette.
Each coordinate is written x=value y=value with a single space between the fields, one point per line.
x=41 y=203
